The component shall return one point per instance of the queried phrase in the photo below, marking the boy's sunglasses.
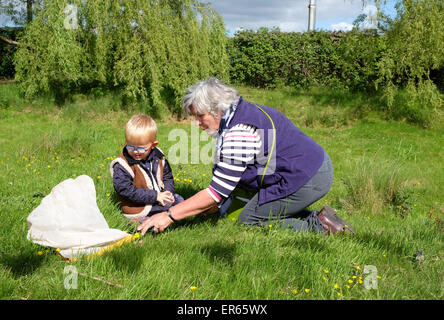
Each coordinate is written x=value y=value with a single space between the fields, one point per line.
x=137 y=149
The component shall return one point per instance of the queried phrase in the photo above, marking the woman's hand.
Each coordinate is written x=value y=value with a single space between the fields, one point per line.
x=159 y=222
x=198 y=203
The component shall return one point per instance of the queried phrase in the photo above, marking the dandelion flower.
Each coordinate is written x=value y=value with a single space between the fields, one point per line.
x=192 y=288
x=98 y=177
x=360 y=281
x=203 y=174
x=354 y=277
x=324 y=278
x=39 y=253
x=307 y=290
x=348 y=287
x=379 y=277
x=350 y=281
x=58 y=250
x=326 y=271
x=270 y=226
x=294 y=291
x=338 y=293
x=336 y=286
x=49 y=166
x=108 y=194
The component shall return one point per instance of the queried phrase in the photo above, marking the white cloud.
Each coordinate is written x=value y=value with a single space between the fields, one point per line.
x=341 y=26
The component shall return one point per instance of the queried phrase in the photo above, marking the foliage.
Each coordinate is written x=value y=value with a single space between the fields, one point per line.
x=268 y=58
x=151 y=50
x=414 y=49
x=7 y=51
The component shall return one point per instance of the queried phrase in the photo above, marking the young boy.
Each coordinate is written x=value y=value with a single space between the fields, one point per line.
x=141 y=174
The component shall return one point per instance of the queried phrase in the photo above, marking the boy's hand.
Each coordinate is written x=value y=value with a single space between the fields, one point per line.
x=165 y=198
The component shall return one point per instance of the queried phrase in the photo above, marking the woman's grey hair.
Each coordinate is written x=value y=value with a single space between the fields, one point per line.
x=211 y=96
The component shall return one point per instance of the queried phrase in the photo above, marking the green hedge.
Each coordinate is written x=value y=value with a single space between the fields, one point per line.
x=269 y=58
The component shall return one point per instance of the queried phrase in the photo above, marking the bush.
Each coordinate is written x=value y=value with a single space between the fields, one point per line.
x=269 y=58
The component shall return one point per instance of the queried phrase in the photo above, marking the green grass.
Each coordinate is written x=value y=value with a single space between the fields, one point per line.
x=388 y=185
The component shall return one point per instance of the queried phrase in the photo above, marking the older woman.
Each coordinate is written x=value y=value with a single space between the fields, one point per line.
x=262 y=151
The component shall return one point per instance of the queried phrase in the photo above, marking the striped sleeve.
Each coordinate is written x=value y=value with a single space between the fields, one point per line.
x=239 y=147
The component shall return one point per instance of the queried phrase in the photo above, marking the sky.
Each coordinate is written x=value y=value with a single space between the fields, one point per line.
x=288 y=15
x=292 y=15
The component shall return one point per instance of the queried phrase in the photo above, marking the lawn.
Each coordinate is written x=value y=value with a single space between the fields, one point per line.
x=389 y=181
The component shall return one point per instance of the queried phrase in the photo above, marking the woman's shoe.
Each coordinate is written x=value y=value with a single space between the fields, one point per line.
x=332 y=224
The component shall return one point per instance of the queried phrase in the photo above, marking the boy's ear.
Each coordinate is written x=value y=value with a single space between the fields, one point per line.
x=155 y=143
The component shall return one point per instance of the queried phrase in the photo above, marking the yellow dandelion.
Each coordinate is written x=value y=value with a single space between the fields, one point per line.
x=350 y=281
x=39 y=253
x=307 y=290
x=108 y=194
x=49 y=166
x=99 y=177
x=324 y=278
x=294 y=291
x=348 y=287
x=379 y=277
x=326 y=271
x=354 y=277
x=192 y=288
x=203 y=174
x=360 y=281
x=336 y=286
x=338 y=293
x=58 y=250
x=346 y=226
x=270 y=226
x=384 y=255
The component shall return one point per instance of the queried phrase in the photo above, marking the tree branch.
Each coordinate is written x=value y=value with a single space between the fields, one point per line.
x=15 y=43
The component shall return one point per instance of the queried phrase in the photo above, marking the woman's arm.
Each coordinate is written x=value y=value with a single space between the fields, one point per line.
x=198 y=203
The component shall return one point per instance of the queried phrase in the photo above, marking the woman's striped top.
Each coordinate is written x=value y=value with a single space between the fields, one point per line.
x=240 y=145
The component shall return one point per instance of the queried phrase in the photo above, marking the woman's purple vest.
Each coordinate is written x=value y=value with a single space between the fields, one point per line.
x=295 y=160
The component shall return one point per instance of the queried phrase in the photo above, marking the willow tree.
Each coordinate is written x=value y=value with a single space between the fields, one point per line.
x=147 y=49
x=415 y=48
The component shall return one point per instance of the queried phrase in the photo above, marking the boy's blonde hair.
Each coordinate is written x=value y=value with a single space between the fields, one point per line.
x=140 y=129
